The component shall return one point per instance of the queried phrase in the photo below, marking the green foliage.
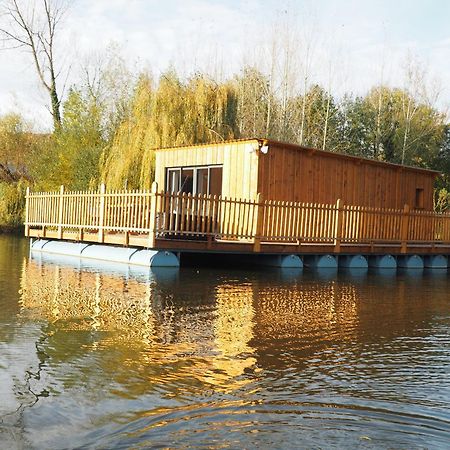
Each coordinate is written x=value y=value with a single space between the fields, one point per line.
x=390 y=125
x=442 y=200
x=71 y=156
x=112 y=122
x=16 y=147
x=321 y=119
x=12 y=202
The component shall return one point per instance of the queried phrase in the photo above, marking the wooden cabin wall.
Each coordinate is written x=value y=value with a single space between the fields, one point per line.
x=239 y=160
x=298 y=175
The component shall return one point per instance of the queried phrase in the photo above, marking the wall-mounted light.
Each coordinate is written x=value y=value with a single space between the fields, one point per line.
x=264 y=146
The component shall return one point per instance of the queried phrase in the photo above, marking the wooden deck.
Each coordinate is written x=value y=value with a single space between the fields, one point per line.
x=183 y=222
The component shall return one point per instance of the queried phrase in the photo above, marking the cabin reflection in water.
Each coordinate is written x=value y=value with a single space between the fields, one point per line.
x=209 y=329
x=144 y=323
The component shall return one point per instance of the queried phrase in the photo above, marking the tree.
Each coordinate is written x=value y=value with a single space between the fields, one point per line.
x=109 y=82
x=316 y=122
x=386 y=131
x=16 y=147
x=254 y=100
x=33 y=25
x=371 y=125
x=442 y=163
x=72 y=156
x=174 y=112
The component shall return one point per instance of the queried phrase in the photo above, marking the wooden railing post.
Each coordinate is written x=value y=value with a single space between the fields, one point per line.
x=338 y=226
x=60 y=212
x=153 y=211
x=404 y=228
x=27 y=208
x=258 y=227
x=101 y=214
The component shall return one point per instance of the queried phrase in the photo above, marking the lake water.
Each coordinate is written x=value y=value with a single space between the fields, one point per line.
x=214 y=358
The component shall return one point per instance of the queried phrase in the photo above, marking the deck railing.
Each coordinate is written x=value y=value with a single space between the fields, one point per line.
x=162 y=216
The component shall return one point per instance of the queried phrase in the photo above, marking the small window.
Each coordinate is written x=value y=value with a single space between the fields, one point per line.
x=419 y=198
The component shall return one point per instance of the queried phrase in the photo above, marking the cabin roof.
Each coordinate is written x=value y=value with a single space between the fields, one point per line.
x=309 y=150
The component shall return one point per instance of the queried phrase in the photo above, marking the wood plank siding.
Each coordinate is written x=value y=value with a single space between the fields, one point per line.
x=290 y=172
x=294 y=173
x=239 y=160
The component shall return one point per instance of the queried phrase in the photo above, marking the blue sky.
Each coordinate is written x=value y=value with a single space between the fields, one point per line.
x=352 y=39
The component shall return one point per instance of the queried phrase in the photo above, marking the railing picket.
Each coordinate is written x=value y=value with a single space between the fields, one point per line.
x=184 y=214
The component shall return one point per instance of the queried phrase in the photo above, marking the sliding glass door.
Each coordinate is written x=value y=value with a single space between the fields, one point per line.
x=195 y=180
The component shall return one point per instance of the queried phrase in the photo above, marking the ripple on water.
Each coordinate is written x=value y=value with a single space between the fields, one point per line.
x=217 y=359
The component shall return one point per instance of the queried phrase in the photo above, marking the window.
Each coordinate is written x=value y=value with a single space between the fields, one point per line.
x=173 y=180
x=187 y=180
x=419 y=198
x=215 y=181
x=195 y=180
x=202 y=181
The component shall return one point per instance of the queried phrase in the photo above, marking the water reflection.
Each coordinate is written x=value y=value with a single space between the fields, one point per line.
x=228 y=325
x=203 y=356
x=142 y=316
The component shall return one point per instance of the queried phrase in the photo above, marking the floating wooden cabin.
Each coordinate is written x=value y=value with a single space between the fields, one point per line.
x=288 y=172
x=253 y=196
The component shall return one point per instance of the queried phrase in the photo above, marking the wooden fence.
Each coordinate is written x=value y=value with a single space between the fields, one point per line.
x=175 y=216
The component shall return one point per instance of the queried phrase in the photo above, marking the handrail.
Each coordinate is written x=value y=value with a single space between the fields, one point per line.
x=165 y=215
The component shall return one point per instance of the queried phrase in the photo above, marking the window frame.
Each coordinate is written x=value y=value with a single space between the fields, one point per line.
x=419 y=201
x=195 y=170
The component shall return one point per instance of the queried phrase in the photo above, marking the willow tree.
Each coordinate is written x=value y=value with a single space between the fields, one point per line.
x=16 y=146
x=171 y=113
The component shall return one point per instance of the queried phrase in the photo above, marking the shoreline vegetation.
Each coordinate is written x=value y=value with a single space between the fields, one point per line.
x=107 y=134
x=106 y=124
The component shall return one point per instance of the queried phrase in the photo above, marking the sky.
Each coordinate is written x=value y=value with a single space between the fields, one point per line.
x=354 y=44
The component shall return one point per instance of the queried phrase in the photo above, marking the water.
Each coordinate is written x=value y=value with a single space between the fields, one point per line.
x=208 y=358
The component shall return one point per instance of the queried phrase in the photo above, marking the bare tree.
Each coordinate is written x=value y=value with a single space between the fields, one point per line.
x=33 y=25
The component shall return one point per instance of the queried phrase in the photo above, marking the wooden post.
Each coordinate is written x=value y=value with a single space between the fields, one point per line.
x=27 y=206
x=258 y=227
x=338 y=226
x=101 y=214
x=153 y=210
x=404 y=228
x=60 y=212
